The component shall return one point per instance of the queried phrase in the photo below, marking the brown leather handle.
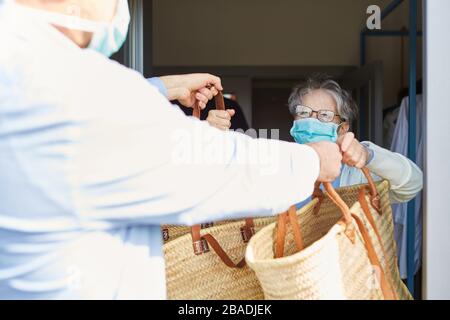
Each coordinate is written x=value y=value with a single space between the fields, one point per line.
x=369 y=217
x=385 y=285
x=291 y=216
x=318 y=193
x=372 y=187
x=374 y=196
x=220 y=105
x=345 y=210
x=200 y=242
x=347 y=217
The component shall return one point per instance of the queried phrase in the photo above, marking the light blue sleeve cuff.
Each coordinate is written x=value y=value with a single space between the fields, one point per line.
x=159 y=84
x=370 y=151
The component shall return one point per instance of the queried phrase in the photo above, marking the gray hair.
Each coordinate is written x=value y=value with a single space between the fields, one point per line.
x=346 y=106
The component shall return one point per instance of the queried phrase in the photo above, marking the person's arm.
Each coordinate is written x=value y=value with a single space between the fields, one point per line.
x=159 y=84
x=154 y=165
x=188 y=89
x=405 y=177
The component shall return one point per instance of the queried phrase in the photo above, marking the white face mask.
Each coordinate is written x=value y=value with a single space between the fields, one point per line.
x=107 y=37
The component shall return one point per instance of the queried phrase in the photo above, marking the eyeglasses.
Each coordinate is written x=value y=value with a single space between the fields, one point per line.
x=322 y=115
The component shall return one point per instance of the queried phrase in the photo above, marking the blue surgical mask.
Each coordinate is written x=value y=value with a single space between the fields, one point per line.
x=107 y=37
x=110 y=37
x=312 y=130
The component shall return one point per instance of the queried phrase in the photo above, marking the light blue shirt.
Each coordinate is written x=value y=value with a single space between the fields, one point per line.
x=93 y=159
x=159 y=84
x=336 y=184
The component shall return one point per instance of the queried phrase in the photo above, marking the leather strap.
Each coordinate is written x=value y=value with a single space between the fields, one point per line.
x=291 y=216
x=334 y=196
x=222 y=254
x=374 y=196
x=318 y=193
x=200 y=246
x=281 y=235
x=248 y=230
x=368 y=215
x=292 y=212
x=200 y=242
x=347 y=216
x=388 y=294
x=220 y=105
x=365 y=207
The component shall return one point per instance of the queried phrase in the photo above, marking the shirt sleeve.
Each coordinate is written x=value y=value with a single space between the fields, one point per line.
x=149 y=163
x=159 y=84
x=405 y=176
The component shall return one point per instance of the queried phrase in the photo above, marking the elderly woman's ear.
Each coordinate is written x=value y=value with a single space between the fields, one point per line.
x=344 y=127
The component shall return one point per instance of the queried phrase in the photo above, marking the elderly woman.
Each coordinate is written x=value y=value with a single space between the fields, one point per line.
x=323 y=111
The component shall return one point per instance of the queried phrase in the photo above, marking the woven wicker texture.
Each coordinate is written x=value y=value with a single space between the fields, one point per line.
x=206 y=277
x=330 y=266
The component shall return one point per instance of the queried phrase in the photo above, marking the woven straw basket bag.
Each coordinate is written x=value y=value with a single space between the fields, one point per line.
x=327 y=250
x=207 y=261
x=211 y=265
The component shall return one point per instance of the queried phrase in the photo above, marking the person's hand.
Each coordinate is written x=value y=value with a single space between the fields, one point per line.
x=330 y=160
x=221 y=119
x=354 y=153
x=189 y=89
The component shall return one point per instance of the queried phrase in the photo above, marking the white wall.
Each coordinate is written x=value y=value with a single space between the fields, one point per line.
x=437 y=207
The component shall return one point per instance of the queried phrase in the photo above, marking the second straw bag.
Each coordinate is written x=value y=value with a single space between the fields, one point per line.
x=207 y=262
x=327 y=250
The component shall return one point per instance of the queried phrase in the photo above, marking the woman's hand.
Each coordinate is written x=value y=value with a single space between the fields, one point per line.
x=354 y=153
x=189 y=89
x=221 y=119
x=330 y=160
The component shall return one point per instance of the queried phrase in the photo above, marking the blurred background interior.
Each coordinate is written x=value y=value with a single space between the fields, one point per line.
x=262 y=48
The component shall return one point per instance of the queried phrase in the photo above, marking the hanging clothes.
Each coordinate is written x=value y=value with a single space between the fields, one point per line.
x=389 y=122
x=400 y=145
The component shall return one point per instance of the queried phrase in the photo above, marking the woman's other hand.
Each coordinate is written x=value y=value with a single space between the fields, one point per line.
x=354 y=154
x=221 y=119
